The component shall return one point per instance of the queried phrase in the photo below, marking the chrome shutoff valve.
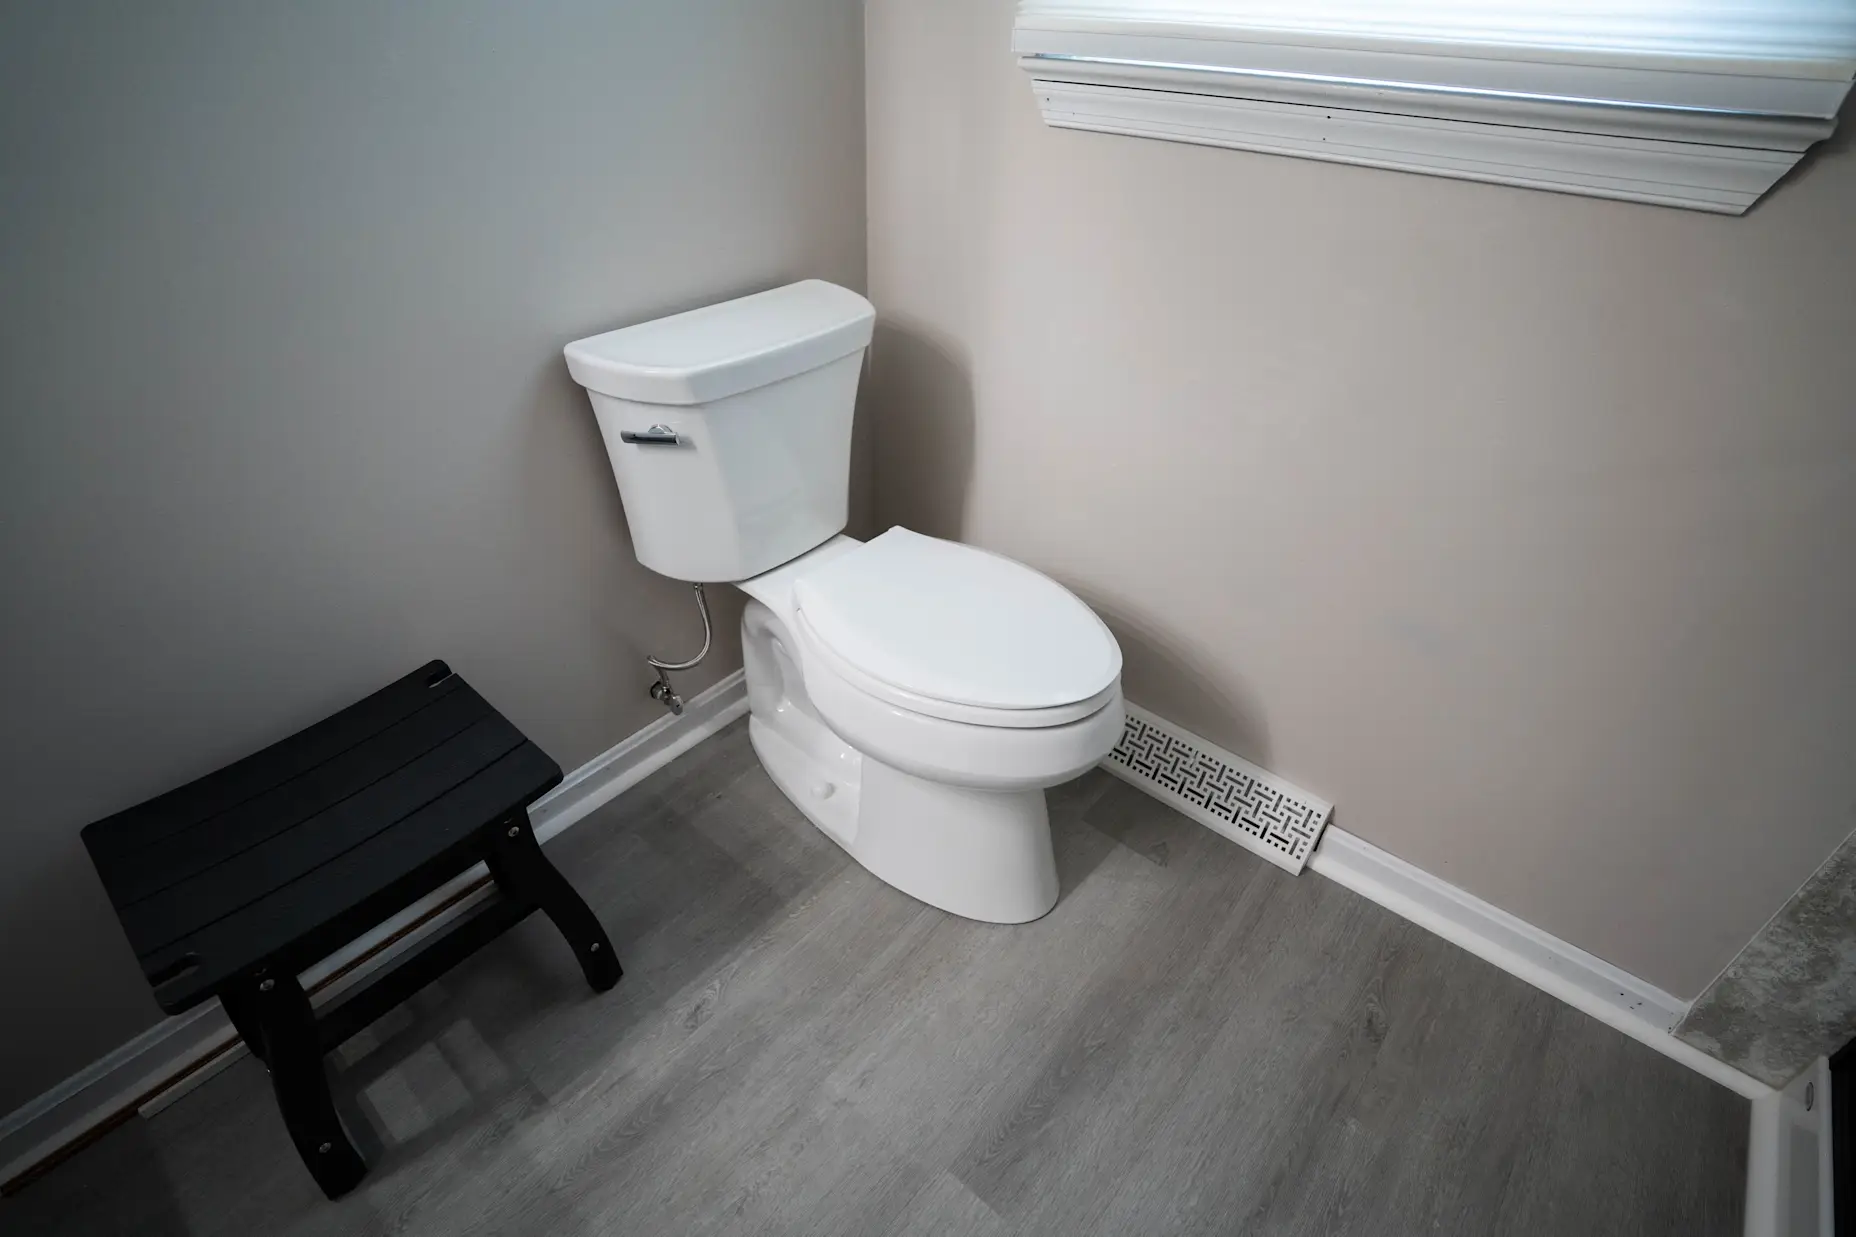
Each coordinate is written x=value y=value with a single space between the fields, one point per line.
x=662 y=691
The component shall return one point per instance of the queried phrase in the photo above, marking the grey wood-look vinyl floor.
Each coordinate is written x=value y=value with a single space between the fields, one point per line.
x=1192 y=1042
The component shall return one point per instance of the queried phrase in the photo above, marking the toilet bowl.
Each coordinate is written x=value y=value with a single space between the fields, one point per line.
x=942 y=798
x=913 y=697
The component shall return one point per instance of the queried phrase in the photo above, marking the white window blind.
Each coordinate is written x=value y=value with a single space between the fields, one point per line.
x=1701 y=103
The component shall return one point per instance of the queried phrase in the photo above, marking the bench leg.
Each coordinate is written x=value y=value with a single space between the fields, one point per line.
x=525 y=875
x=240 y=1007
x=280 y=1011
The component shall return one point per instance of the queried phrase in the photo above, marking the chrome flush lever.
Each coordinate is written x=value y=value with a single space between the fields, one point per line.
x=656 y=436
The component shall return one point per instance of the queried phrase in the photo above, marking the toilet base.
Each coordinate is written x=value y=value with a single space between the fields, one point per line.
x=984 y=854
x=981 y=854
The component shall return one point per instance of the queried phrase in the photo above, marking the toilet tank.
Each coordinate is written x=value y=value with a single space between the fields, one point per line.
x=729 y=427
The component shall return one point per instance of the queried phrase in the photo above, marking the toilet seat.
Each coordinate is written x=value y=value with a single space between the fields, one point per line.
x=820 y=656
x=949 y=631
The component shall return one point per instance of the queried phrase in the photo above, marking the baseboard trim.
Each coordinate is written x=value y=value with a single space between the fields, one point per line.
x=171 y=1058
x=1587 y=983
x=168 y=1060
x=1781 y=1196
x=605 y=777
x=1492 y=933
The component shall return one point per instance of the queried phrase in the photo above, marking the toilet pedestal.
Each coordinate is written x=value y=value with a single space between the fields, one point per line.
x=981 y=853
x=984 y=854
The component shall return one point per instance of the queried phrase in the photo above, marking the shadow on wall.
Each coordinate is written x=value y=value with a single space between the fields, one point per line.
x=1167 y=678
x=922 y=407
x=632 y=609
x=921 y=398
x=64 y=911
x=121 y=1184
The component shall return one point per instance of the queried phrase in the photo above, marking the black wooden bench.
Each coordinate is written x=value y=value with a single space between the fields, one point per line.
x=231 y=886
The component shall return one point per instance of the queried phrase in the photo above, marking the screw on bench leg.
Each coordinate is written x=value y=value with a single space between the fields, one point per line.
x=293 y=1051
x=525 y=875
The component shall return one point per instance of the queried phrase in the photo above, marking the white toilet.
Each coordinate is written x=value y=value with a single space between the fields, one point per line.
x=914 y=697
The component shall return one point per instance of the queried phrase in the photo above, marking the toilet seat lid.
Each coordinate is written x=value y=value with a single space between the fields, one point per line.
x=953 y=623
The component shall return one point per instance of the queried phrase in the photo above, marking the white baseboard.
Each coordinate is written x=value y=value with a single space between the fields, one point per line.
x=1587 y=983
x=1779 y=1201
x=607 y=776
x=1787 y=1195
x=165 y=1062
x=176 y=1055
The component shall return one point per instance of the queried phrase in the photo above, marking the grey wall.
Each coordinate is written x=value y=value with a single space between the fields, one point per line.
x=282 y=296
x=1518 y=525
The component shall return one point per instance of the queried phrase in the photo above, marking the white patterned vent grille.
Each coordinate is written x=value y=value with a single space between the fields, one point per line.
x=1222 y=791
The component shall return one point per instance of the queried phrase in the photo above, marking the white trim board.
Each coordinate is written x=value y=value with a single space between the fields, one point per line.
x=94 y=1094
x=1492 y=933
x=1789 y=1172
x=165 y=1061
x=1697 y=176
x=1678 y=132
x=1584 y=981
x=1587 y=983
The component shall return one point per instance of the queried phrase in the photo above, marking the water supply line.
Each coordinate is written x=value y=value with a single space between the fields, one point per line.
x=661 y=691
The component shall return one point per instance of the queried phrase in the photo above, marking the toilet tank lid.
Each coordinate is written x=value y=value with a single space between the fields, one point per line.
x=721 y=350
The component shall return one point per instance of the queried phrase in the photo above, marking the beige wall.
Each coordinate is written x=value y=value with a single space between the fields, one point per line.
x=1522 y=526
x=283 y=290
